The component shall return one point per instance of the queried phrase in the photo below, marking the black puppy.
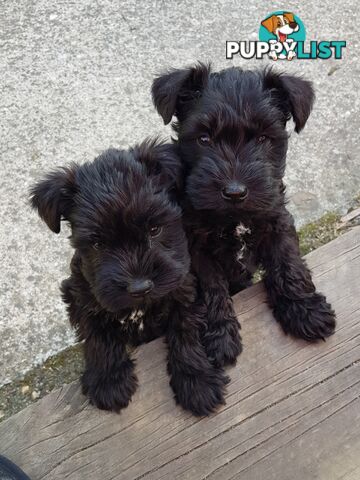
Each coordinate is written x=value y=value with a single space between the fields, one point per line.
x=130 y=278
x=231 y=129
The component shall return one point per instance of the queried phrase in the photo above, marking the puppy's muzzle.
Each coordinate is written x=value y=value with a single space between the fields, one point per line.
x=237 y=192
x=140 y=287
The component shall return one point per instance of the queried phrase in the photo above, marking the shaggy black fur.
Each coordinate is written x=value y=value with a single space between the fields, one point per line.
x=130 y=279
x=231 y=129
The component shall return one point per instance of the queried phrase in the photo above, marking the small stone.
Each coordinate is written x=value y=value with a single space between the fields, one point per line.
x=333 y=70
x=25 y=389
x=2 y=414
x=35 y=394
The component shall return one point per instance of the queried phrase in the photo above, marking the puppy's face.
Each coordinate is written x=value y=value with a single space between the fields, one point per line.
x=281 y=25
x=125 y=224
x=235 y=144
x=232 y=135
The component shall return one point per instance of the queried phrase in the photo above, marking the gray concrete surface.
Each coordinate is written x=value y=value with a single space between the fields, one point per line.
x=75 y=79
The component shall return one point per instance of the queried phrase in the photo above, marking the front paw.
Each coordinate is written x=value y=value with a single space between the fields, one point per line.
x=223 y=344
x=201 y=394
x=291 y=55
x=110 y=391
x=310 y=318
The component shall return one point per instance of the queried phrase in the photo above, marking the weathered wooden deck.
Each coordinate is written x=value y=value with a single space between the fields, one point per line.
x=292 y=412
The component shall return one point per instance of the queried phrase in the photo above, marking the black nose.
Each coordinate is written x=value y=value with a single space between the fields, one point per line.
x=140 y=287
x=293 y=24
x=235 y=191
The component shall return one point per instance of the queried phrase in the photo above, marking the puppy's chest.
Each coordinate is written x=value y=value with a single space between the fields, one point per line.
x=242 y=235
x=142 y=324
x=134 y=320
x=235 y=244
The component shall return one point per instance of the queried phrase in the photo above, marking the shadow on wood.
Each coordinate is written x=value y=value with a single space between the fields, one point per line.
x=292 y=409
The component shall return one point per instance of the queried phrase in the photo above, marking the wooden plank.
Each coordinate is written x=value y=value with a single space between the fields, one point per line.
x=292 y=412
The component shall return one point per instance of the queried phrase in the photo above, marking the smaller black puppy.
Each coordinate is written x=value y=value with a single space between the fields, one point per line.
x=232 y=136
x=130 y=278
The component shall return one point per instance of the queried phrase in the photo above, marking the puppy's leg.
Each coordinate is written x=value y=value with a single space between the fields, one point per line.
x=221 y=339
x=297 y=306
x=221 y=336
x=198 y=385
x=109 y=379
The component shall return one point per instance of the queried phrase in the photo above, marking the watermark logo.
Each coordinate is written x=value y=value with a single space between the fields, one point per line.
x=282 y=30
x=282 y=36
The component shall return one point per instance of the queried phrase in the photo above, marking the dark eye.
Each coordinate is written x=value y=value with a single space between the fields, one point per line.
x=261 y=139
x=155 y=231
x=204 y=140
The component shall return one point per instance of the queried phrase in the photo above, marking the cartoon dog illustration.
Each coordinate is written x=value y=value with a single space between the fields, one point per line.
x=281 y=26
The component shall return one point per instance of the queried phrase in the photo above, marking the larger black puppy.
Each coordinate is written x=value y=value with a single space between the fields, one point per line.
x=232 y=138
x=130 y=278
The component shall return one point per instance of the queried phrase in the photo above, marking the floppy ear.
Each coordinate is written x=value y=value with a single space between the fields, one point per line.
x=294 y=96
x=52 y=197
x=173 y=91
x=270 y=23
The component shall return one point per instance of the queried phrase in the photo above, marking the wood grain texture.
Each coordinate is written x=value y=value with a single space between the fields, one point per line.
x=292 y=411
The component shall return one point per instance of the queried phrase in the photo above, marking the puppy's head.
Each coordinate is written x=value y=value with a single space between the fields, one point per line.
x=281 y=25
x=232 y=135
x=124 y=220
